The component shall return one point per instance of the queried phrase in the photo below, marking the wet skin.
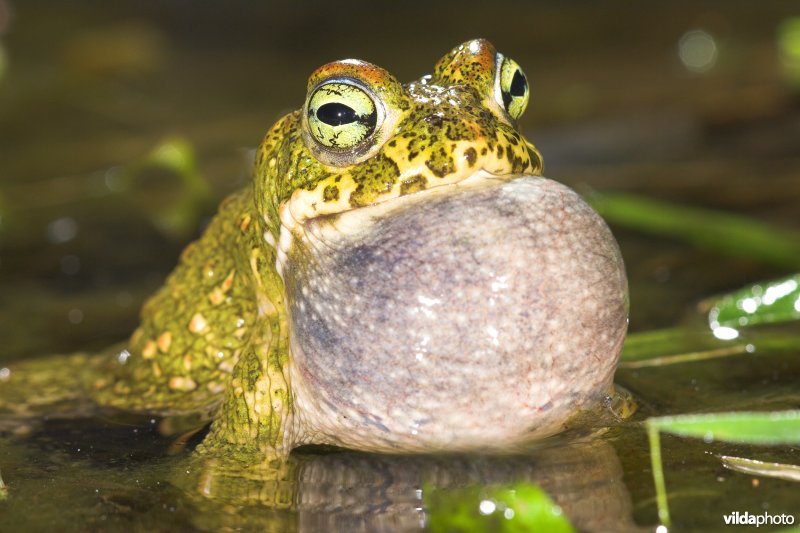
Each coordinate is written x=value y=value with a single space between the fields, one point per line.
x=268 y=324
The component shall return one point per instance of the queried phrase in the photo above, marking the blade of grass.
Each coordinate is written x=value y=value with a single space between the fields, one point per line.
x=761 y=468
x=776 y=427
x=642 y=347
x=681 y=345
x=727 y=233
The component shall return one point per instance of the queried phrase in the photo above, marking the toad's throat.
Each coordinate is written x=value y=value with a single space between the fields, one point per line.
x=427 y=323
x=301 y=215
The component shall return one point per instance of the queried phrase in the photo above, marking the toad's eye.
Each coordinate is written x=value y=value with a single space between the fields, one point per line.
x=513 y=88
x=341 y=115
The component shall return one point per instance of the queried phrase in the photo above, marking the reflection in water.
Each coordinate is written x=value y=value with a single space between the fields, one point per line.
x=351 y=491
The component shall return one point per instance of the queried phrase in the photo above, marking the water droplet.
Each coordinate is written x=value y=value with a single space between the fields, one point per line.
x=725 y=333
x=75 y=316
x=749 y=305
x=62 y=230
x=697 y=50
x=487 y=507
x=114 y=180
x=123 y=356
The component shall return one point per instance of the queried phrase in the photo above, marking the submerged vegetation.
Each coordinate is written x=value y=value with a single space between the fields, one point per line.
x=514 y=508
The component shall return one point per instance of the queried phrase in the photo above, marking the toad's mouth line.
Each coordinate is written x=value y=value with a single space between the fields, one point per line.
x=297 y=218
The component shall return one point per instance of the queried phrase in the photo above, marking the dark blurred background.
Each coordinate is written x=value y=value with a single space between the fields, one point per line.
x=123 y=123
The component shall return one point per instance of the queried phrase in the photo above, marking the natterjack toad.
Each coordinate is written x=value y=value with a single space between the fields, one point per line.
x=397 y=278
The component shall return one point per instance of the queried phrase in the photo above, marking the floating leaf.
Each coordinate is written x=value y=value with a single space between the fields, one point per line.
x=520 y=507
x=776 y=427
x=761 y=303
x=761 y=468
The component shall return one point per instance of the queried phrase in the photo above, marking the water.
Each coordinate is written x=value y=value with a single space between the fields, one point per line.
x=616 y=105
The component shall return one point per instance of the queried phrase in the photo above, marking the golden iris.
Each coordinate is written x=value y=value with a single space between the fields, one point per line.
x=341 y=115
x=513 y=88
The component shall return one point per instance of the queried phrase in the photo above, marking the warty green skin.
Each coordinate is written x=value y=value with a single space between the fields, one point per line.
x=214 y=339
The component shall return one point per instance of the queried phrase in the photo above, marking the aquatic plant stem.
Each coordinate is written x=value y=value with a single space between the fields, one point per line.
x=658 y=473
x=3 y=490
x=737 y=349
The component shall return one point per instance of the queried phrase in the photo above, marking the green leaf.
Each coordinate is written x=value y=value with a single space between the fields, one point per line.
x=761 y=303
x=777 y=427
x=688 y=344
x=675 y=345
x=519 y=507
x=713 y=230
x=761 y=468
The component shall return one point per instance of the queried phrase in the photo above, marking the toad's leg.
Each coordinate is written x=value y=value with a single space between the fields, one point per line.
x=255 y=420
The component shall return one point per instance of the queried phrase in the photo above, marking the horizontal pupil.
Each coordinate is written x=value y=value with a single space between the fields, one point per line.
x=518 y=84
x=336 y=114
